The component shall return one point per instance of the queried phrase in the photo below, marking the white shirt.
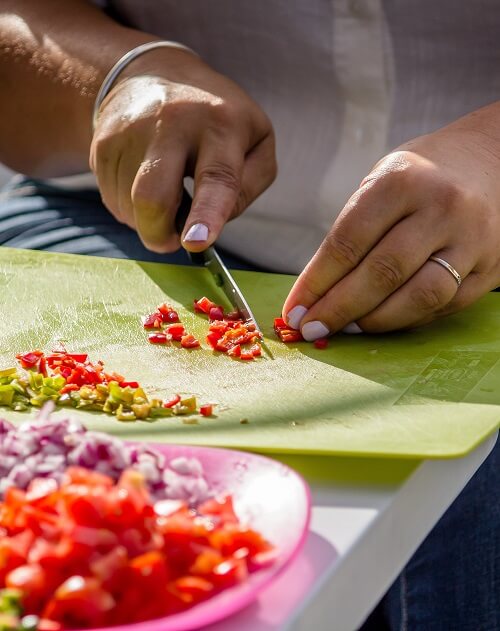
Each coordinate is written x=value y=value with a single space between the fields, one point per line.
x=343 y=81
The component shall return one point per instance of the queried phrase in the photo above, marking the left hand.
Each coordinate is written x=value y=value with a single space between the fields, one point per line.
x=436 y=195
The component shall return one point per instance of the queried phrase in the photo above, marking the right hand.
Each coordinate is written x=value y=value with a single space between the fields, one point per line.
x=175 y=117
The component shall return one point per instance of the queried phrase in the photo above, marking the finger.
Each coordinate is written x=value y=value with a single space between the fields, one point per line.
x=217 y=186
x=366 y=218
x=476 y=285
x=259 y=172
x=385 y=268
x=128 y=165
x=156 y=195
x=424 y=297
x=105 y=158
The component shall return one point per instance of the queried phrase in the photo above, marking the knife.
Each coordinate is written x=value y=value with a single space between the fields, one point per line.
x=211 y=260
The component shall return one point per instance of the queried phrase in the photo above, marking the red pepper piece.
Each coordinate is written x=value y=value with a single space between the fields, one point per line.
x=69 y=387
x=203 y=305
x=130 y=384
x=152 y=321
x=246 y=354
x=290 y=335
x=216 y=313
x=189 y=341
x=157 y=338
x=207 y=409
x=279 y=323
x=78 y=357
x=256 y=350
x=321 y=343
x=176 y=331
x=29 y=360
x=213 y=338
x=168 y=313
x=235 y=351
x=172 y=401
x=42 y=366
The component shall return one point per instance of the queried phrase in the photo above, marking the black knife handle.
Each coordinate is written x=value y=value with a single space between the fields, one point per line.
x=180 y=222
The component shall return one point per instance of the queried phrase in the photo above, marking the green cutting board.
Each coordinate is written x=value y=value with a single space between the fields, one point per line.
x=429 y=393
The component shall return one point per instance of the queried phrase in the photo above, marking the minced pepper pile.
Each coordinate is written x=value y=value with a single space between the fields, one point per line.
x=90 y=552
x=71 y=379
x=227 y=333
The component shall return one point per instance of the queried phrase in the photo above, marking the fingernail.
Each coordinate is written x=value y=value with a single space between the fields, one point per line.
x=197 y=232
x=313 y=330
x=295 y=315
x=352 y=329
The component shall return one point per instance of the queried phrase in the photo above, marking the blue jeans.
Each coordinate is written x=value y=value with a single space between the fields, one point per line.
x=452 y=583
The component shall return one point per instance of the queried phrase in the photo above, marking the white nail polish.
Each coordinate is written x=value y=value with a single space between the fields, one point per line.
x=313 y=330
x=197 y=232
x=295 y=315
x=352 y=329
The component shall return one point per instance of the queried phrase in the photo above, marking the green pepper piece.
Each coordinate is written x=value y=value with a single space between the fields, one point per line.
x=6 y=395
x=160 y=412
x=35 y=380
x=141 y=410
x=8 y=372
x=10 y=601
x=125 y=415
x=190 y=403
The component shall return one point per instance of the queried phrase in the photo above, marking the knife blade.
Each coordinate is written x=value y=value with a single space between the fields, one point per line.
x=212 y=261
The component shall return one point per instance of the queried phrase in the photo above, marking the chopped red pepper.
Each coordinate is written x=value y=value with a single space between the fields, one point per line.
x=168 y=313
x=29 y=360
x=290 y=335
x=206 y=410
x=152 y=321
x=216 y=313
x=189 y=341
x=176 y=331
x=234 y=351
x=173 y=401
x=203 y=305
x=321 y=343
x=157 y=338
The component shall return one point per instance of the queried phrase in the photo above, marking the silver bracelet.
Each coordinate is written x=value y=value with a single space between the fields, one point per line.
x=124 y=61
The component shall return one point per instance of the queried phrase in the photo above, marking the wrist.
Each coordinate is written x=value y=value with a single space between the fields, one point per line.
x=132 y=64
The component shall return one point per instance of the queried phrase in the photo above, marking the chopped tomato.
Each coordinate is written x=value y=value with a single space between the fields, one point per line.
x=108 y=555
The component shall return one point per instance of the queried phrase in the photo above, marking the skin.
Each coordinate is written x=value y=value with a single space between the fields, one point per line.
x=438 y=194
x=169 y=115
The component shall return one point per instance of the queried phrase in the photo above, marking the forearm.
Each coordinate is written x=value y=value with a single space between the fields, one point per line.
x=53 y=57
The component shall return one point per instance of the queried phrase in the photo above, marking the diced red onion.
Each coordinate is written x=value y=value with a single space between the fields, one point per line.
x=44 y=448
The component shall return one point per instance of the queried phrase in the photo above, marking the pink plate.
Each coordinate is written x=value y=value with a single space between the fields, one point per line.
x=270 y=497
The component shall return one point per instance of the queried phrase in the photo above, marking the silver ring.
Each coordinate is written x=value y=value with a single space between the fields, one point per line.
x=449 y=267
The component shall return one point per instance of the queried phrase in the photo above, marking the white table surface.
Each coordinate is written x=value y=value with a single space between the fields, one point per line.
x=367 y=521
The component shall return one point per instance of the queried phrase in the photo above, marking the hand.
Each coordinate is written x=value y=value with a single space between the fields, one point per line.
x=179 y=117
x=436 y=195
